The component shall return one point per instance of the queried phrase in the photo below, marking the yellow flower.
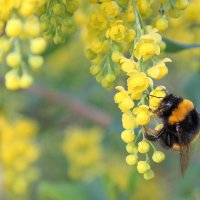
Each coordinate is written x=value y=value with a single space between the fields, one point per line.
x=143 y=146
x=14 y=59
x=142 y=115
x=129 y=13
x=5 y=45
x=16 y=159
x=159 y=70
x=153 y=100
x=98 y=21
x=131 y=159
x=95 y=69
x=144 y=7
x=110 y=8
x=117 y=32
x=181 y=4
x=161 y=24
x=148 y=45
x=116 y=56
x=131 y=34
x=149 y=175
x=131 y=148
x=13 y=27
x=128 y=120
x=38 y=45
x=128 y=136
x=12 y=80
x=35 y=61
x=26 y=81
x=158 y=156
x=97 y=46
x=83 y=151
x=137 y=83
x=128 y=65
x=32 y=27
x=123 y=99
x=143 y=167
x=82 y=146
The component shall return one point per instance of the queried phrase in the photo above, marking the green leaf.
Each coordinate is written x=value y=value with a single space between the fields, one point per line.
x=173 y=46
x=61 y=191
x=191 y=88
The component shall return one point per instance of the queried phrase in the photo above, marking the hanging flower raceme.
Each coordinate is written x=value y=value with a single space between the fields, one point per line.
x=83 y=151
x=119 y=43
x=21 y=44
x=18 y=155
x=25 y=27
x=57 y=19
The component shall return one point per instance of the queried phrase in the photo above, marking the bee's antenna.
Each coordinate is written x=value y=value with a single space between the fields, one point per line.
x=152 y=95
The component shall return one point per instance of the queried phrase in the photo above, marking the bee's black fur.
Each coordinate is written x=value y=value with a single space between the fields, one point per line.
x=177 y=135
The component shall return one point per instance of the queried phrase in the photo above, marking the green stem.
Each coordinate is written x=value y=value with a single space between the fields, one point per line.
x=138 y=24
x=139 y=21
x=154 y=148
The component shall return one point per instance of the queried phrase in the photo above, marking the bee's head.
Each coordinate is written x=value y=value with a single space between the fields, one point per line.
x=168 y=104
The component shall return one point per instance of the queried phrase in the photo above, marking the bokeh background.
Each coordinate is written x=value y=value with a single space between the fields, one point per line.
x=60 y=140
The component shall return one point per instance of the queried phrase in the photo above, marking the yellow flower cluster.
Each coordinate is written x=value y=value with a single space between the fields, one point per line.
x=119 y=43
x=57 y=19
x=137 y=117
x=18 y=153
x=106 y=37
x=21 y=45
x=24 y=28
x=83 y=151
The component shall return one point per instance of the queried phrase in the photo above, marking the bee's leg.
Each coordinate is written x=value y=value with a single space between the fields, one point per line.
x=155 y=137
x=153 y=111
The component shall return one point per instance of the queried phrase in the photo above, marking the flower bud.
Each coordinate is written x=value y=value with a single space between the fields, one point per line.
x=143 y=167
x=26 y=81
x=116 y=56
x=131 y=148
x=95 y=69
x=14 y=59
x=143 y=146
x=128 y=136
x=149 y=175
x=38 y=45
x=131 y=159
x=158 y=156
x=13 y=27
x=35 y=61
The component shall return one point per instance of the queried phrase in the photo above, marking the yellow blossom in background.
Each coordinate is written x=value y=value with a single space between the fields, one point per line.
x=83 y=151
x=18 y=154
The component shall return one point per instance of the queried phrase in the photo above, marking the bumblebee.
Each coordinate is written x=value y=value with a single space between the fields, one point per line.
x=181 y=125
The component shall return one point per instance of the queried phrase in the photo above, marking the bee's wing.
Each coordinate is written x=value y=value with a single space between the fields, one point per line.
x=184 y=157
x=184 y=149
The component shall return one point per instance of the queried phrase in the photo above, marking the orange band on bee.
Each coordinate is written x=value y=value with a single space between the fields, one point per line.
x=180 y=113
